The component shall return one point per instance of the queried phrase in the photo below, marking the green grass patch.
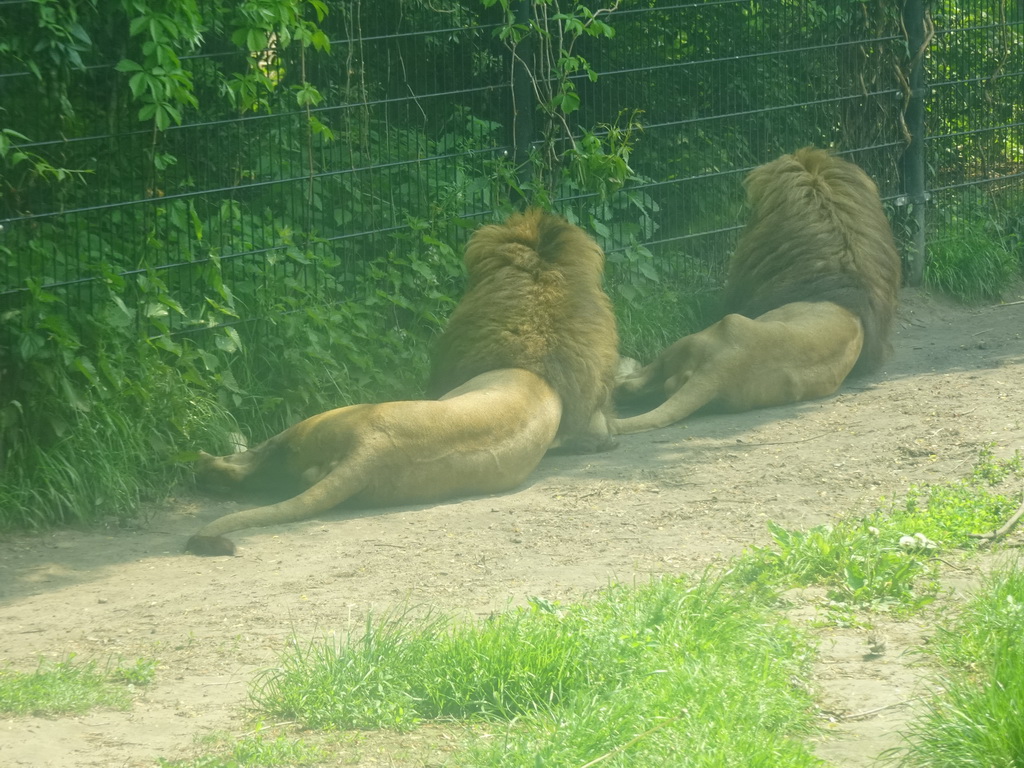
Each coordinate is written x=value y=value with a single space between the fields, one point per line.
x=974 y=719
x=680 y=672
x=855 y=562
x=975 y=265
x=886 y=560
x=67 y=687
x=254 y=750
x=947 y=513
x=662 y=316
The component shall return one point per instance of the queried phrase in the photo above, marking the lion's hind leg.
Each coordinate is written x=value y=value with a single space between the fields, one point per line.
x=686 y=374
x=693 y=393
x=342 y=482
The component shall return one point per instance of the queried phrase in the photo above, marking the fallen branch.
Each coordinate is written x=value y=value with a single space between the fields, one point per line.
x=876 y=710
x=1009 y=525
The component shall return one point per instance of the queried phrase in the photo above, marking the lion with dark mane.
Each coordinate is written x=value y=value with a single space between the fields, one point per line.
x=535 y=301
x=810 y=294
x=527 y=362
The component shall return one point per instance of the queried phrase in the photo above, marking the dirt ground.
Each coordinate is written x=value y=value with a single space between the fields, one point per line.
x=668 y=501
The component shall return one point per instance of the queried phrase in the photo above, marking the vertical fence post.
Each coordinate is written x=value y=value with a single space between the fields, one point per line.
x=523 y=100
x=915 y=193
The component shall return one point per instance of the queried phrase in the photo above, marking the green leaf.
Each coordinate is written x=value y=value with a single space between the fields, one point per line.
x=320 y=8
x=256 y=40
x=648 y=271
x=164 y=160
x=85 y=367
x=228 y=341
x=29 y=345
x=73 y=397
x=164 y=342
x=197 y=223
x=137 y=24
x=127 y=65
x=172 y=303
x=138 y=83
x=569 y=102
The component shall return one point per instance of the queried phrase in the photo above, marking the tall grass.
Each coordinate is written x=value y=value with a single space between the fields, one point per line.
x=662 y=316
x=974 y=720
x=103 y=459
x=676 y=672
x=974 y=265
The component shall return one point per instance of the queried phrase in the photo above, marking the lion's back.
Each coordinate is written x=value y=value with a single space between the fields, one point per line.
x=817 y=232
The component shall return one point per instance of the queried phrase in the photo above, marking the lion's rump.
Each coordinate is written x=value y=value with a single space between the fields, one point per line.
x=817 y=233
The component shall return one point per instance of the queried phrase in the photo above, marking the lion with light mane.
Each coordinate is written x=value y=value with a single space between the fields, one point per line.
x=505 y=393
x=811 y=295
x=535 y=301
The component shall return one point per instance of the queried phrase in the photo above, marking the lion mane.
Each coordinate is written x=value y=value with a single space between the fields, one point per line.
x=534 y=301
x=810 y=296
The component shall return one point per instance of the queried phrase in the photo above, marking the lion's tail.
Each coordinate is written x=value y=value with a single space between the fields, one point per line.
x=682 y=403
x=344 y=481
x=690 y=392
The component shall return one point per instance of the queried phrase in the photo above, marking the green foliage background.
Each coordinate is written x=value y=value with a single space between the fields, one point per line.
x=222 y=217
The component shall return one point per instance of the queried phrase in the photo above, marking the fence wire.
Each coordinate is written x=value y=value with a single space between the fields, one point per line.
x=415 y=141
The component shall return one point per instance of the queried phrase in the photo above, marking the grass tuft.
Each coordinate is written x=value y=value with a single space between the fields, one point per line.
x=671 y=673
x=947 y=513
x=255 y=750
x=974 y=266
x=880 y=561
x=67 y=687
x=663 y=316
x=974 y=718
x=99 y=463
x=857 y=563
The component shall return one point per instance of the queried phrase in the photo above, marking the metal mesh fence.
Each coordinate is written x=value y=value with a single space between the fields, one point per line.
x=416 y=127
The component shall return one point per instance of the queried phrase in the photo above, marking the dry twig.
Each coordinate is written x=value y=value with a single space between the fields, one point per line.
x=1009 y=525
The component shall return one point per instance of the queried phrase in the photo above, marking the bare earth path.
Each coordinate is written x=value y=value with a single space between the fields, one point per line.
x=664 y=502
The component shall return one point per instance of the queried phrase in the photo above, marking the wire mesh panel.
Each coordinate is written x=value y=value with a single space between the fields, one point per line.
x=975 y=144
x=721 y=87
x=335 y=168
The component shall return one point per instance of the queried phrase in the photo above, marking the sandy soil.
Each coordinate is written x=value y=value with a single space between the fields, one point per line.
x=669 y=501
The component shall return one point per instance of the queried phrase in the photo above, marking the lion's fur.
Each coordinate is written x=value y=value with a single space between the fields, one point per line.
x=817 y=232
x=736 y=364
x=483 y=437
x=817 y=269
x=534 y=301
